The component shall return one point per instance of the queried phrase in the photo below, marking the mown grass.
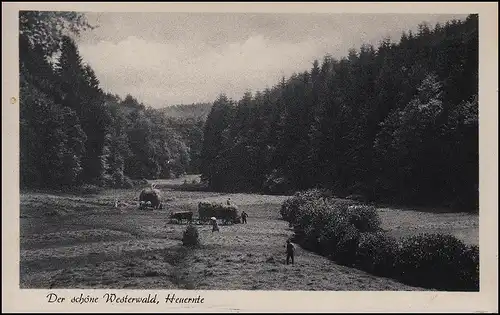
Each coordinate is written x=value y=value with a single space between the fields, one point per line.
x=82 y=241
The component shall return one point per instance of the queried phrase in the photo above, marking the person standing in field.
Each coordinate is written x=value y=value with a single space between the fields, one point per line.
x=290 y=250
x=215 y=226
x=244 y=217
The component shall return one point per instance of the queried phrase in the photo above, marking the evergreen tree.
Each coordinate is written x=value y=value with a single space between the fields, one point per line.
x=395 y=122
x=82 y=94
x=216 y=139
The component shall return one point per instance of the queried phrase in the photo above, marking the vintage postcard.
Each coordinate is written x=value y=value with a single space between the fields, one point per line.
x=239 y=157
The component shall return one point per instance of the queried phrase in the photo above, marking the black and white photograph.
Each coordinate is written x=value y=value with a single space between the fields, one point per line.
x=248 y=151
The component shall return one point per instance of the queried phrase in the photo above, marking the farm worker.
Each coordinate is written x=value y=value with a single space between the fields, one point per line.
x=215 y=226
x=244 y=217
x=290 y=249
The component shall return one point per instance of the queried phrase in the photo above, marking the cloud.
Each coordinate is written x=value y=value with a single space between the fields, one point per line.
x=164 y=59
x=175 y=72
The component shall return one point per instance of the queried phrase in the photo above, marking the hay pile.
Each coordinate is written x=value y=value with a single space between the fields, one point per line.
x=227 y=213
x=152 y=196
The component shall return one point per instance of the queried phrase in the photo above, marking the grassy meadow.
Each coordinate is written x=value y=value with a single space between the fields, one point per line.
x=83 y=241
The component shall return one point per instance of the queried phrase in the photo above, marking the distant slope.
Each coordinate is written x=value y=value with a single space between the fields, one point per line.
x=195 y=110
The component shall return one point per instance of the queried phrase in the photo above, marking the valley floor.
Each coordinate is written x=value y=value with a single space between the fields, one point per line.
x=72 y=241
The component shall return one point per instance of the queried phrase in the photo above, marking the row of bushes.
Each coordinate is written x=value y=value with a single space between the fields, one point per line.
x=227 y=213
x=350 y=234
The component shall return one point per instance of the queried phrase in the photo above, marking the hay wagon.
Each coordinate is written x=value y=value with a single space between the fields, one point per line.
x=227 y=213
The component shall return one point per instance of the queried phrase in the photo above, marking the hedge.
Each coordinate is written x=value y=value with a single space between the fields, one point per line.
x=376 y=253
x=438 y=261
x=350 y=233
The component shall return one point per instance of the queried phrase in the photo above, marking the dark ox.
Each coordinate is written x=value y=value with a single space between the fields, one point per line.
x=180 y=216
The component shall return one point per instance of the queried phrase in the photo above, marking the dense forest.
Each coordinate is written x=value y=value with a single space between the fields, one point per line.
x=396 y=123
x=72 y=133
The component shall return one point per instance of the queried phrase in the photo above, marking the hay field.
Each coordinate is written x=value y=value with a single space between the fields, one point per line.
x=70 y=241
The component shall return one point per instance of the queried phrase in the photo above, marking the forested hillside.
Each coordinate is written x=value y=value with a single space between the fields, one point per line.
x=197 y=111
x=71 y=131
x=189 y=120
x=398 y=122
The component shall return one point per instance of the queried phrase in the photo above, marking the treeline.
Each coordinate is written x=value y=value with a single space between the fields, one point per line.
x=195 y=111
x=395 y=123
x=71 y=132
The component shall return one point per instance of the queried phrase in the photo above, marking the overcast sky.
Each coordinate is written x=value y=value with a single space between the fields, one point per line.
x=171 y=58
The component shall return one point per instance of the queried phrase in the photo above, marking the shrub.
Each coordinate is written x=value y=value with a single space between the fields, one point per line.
x=345 y=251
x=308 y=212
x=292 y=206
x=469 y=276
x=438 y=261
x=329 y=226
x=334 y=226
x=309 y=220
x=364 y=218
x=327 y=240
x=338 y=226
x=376 y=253
x=350 y=233
x=190 y=236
